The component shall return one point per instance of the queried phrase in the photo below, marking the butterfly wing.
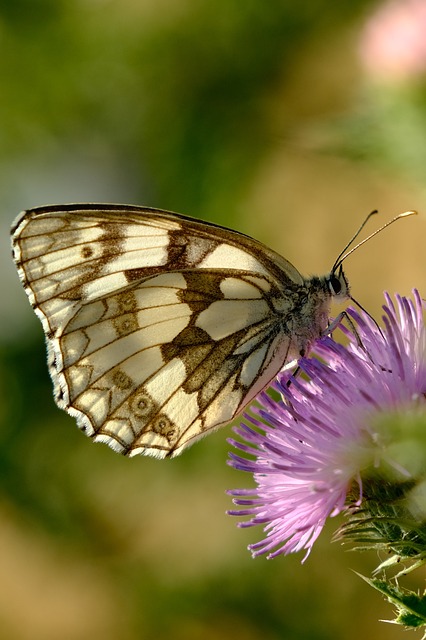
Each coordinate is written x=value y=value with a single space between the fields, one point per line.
x=159 y=327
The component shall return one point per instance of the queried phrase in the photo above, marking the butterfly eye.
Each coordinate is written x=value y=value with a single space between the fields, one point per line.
x=335 y=285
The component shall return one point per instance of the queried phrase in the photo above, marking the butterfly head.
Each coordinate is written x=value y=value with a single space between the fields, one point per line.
x=338 y=284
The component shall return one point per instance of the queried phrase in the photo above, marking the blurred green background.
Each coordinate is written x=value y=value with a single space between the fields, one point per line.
x=288 y=121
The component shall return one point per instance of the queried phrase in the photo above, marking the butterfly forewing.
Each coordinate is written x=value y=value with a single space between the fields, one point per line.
x=159 y=327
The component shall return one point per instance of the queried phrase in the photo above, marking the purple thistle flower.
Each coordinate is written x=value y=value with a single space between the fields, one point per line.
x=308 y=450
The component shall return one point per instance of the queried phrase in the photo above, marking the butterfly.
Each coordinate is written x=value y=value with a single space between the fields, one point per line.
x=161 y=327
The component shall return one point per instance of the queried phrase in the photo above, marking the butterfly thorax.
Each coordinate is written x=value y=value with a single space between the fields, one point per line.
x=306 y=310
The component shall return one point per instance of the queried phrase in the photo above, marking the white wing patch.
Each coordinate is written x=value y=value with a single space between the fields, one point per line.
x=234 y=258
x=159 y=328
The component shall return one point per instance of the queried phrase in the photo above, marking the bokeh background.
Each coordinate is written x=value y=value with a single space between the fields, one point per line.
x=289 y=121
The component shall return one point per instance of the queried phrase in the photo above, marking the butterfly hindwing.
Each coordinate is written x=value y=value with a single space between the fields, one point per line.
x=155 y=366
x=159 y=327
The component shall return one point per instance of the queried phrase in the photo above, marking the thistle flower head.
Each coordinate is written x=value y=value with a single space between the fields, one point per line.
x=308 y=450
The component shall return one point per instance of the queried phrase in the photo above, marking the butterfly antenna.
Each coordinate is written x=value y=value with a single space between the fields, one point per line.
x=354 y=237
x=345 y=253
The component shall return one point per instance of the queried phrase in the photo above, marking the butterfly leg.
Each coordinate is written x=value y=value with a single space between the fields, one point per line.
x=345 y=315
x=331 y=327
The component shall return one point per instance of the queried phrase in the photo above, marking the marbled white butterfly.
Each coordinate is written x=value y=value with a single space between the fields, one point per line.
x=160 y=327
